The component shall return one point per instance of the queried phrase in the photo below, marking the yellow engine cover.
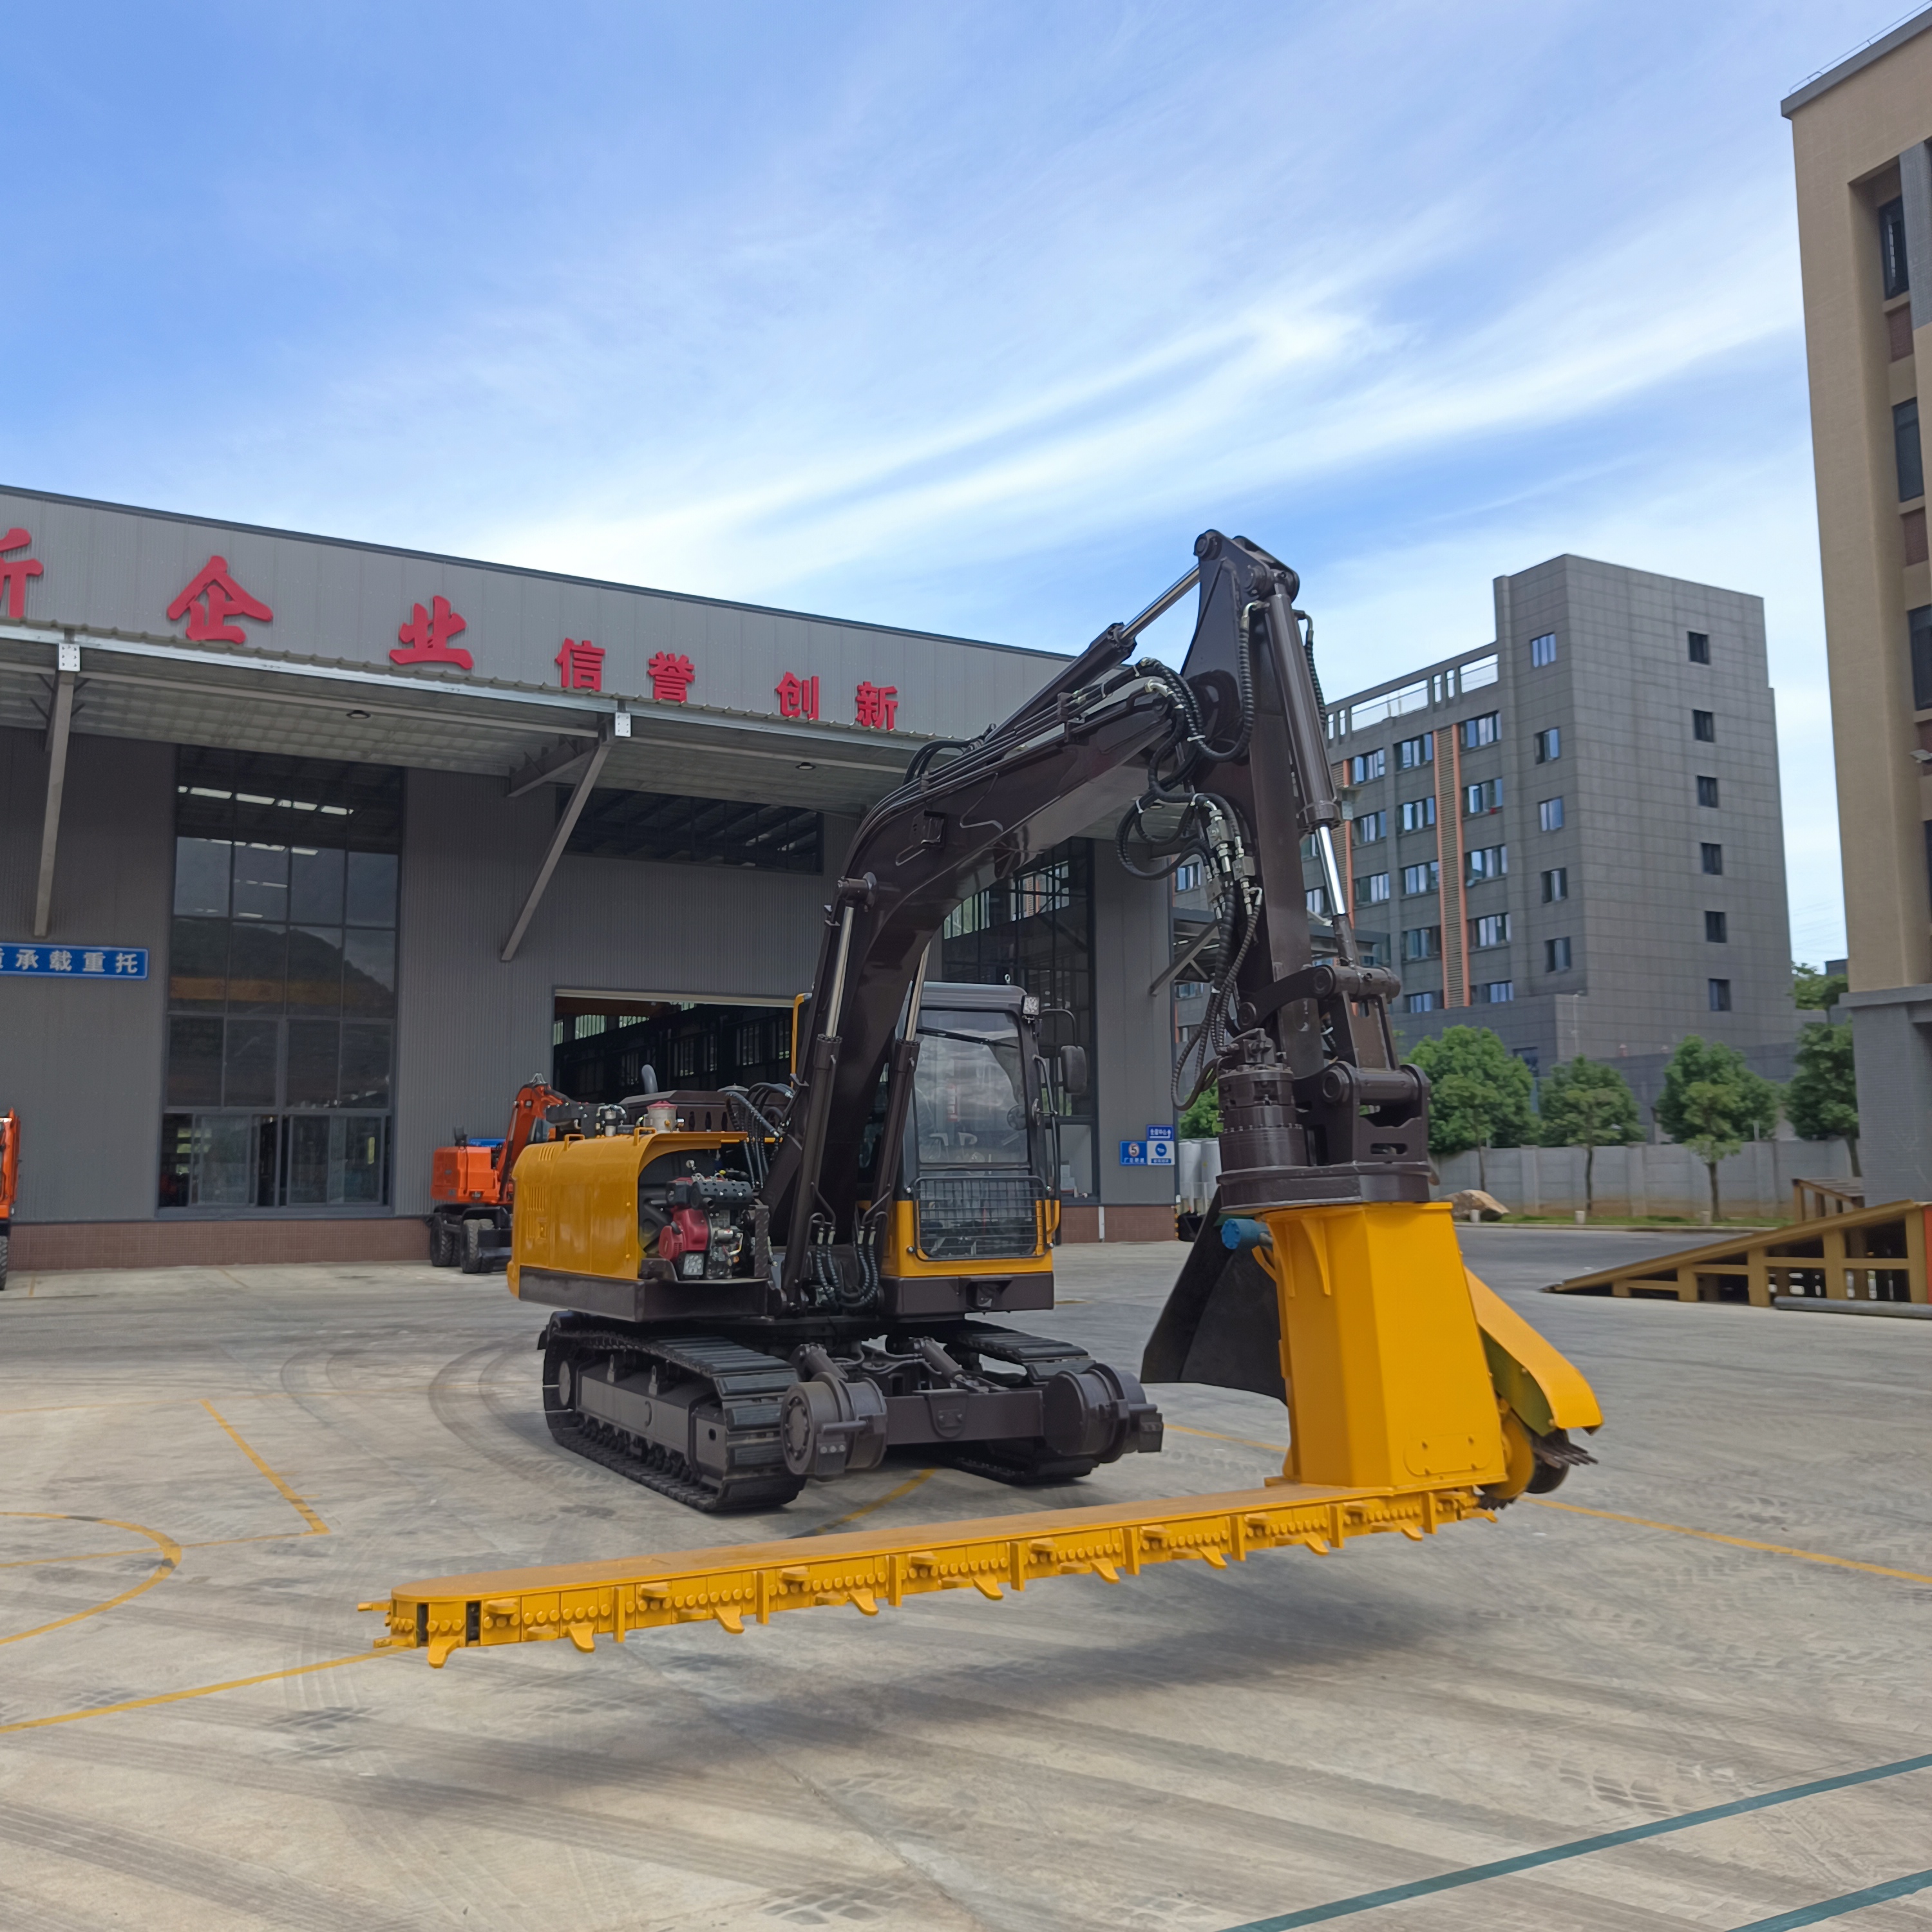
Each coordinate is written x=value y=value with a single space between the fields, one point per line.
x=576 y=1204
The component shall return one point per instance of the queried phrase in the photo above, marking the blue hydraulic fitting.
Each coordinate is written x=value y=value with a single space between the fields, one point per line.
x=1237 y=1232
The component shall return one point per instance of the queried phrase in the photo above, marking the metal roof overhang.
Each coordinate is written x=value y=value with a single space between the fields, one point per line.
x=160 y=689
x=110 y=685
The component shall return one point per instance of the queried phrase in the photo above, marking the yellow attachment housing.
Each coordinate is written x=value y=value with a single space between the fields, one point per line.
x=748 y=1583
x=577 y=1200
x=1388 y=1386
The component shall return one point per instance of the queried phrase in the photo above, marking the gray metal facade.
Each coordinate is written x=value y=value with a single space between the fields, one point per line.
x=1621 y=689
x=85 y=1064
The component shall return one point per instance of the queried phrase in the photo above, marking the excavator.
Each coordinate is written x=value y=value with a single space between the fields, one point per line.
x=755 y=1288
x=472 y=1183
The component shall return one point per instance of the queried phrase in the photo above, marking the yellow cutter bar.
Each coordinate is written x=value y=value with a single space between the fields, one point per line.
x=732 y=1586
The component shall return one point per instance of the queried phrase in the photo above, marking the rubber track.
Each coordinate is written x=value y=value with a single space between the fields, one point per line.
x=743 y=1380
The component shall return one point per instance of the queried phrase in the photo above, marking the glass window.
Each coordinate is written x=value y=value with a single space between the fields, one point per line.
x=1556 y=884
x=969 y=1094
x=1485 y=797
x=1549 y=744
x=1371 y=828
x=1487 y=861
x=1477 y=732
x=1892 y=263
x=670 y=829
x=315 y=884
x=1412 y=752
x=1556 y=955
x=1497 y=993
x=1368 y=765
x=1719 y=994
x=1492 y=929
x=1423 y=1002
x=1704 y=726
x=1315 y=898
x=1418 y=814
x=1187 y=877
x=1700 y=646
x=1707 y=790
x=1717 y=928
x=1422 y=942
x=1905 y=449
x=272 y=855
x=1711 y=858
x=201 y=877
x=1543 y=649
x=1549 y=815
x=1918 y=633
x=1372 y=888
x=1037 y=931
x=1417 y=879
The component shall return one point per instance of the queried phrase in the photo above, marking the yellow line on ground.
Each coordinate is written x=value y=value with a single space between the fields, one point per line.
x=85 y=1556
x=1245 y=1441
x=200 y=1690
x=906 y=1488
x=1736 y=1542
x=263 y=1395
x=170 y=1556
x=316 y=1527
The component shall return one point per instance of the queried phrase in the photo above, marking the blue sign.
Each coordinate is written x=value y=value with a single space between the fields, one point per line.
x=74 y=962
x=1159 y=1133
x=1147 y=1153
x=1133 y=1154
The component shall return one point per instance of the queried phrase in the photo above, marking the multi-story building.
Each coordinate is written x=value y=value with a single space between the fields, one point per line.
x=1572 y=835
x=1859 y=134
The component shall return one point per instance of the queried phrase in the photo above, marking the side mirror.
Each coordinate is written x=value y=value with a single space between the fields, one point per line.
x=1073 y=1071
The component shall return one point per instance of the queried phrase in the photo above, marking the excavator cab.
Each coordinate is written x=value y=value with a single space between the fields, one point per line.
x=977 y=1203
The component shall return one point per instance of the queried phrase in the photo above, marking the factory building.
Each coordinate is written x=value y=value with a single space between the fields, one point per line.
x=312 y=852
x=1571 y=835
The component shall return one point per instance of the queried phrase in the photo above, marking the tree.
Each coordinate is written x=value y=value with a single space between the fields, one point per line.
x=1713 y=1103
x=1478 y=1094
x=1202 y=1119
x=1810 y=988
x=1587 y=1105
x=1823 y=1099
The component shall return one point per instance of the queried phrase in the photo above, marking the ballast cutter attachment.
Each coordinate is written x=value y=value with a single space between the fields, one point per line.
x=748 y=1584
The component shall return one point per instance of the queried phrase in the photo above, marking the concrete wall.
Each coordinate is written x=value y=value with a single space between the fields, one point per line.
x=471 y=1029
x=83 y=1064
x=1650 y=1178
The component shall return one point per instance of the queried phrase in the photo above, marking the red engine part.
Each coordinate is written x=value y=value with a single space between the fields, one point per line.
x=689 y=1233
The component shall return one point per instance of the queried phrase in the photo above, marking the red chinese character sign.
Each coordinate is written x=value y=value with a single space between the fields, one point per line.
x=425 y=637
x=877 y=705
x=14 y=572
x=671 y=677
x=580 y=665
x=798 y=696
x=210 y=602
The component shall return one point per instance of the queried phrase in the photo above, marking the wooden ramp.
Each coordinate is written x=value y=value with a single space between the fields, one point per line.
x=1863 y=1255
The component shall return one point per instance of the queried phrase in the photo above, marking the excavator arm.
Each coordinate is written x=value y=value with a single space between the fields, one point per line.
x=1325 y=1275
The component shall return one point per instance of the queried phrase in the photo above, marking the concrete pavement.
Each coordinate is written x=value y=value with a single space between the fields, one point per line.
x=205 y=1470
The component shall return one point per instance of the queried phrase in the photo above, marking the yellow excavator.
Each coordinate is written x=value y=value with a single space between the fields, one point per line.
x=757 y=1287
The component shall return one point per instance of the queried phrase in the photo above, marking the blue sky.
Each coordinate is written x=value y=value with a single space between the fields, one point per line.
x=966 y=317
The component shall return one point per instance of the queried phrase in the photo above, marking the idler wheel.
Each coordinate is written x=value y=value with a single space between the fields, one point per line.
x=830 y=1428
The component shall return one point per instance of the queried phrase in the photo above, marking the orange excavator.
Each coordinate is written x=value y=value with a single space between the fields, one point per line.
x=473 y=1182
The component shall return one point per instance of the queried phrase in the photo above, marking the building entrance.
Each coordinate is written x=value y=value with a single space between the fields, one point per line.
x=601 y=1043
